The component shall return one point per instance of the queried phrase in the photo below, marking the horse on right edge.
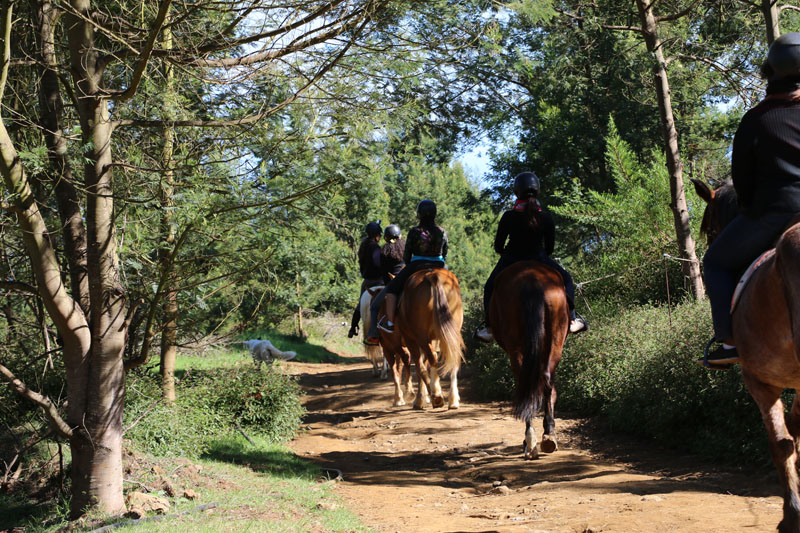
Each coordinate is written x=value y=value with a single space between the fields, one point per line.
x=766 y=328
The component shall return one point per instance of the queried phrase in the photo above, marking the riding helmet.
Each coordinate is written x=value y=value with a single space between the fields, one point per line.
x=374 y=229
x=783 y=57
x=526 y=185
x=392 y=231
x=426 y=210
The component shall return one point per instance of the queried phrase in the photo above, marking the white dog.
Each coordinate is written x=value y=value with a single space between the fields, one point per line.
x=265 y=352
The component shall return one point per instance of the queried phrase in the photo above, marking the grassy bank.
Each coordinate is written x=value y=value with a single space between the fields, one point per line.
x=195 y=452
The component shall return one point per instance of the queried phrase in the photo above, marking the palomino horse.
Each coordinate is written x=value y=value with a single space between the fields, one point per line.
x=766 y=328
x=428 y=323
x=372 y=353
x=529 y=316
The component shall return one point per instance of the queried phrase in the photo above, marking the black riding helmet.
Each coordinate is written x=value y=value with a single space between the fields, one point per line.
x=526 y=185
x=374 y=229
x=783 y=57
x=426 y=210
x=392 y=231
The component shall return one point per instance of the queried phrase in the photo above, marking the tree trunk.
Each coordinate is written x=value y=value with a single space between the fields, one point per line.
x=97 y=444
x=169 y=333
x=52 y=106
x=771 y=17
x=680 y=211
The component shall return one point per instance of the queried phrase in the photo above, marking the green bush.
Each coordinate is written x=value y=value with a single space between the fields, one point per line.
x=638 y=370
x=267 y=402
x=209 y=404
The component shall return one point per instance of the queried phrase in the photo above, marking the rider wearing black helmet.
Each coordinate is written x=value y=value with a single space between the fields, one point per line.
x=765 y=167
x=392 y=253
x=530 y=232
x=369 y=263
x=426 y=247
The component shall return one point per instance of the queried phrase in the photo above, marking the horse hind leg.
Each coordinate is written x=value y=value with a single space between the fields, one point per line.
x=455 y=400
x=424 y=382
x=782 y=447
x=529 y=447
x=549 y=444
x=435 y=384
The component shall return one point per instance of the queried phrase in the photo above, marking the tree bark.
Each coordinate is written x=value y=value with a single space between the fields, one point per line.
x=771 y=18
x=680 y=211
x=169 y=333
x=97 y=446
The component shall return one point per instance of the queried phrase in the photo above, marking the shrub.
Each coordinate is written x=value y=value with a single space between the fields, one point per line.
x=210 y=403
x=638 y=370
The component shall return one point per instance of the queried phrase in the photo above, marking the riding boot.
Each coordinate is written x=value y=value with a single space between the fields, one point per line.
x=387 y=324
x=354 y=322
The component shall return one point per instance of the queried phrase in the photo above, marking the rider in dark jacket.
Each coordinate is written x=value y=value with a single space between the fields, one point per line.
x=369 y=263
x=765 y=166
x=392 y=253
x=530 y=234
x=426 y=247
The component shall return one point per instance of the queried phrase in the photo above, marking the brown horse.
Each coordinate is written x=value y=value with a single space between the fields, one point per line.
x=428 y=323
x=766 y=328
x=529 y=316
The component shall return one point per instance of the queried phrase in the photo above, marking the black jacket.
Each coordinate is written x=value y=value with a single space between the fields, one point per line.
x=766 y=158
x=369 y=259
x=524 y=241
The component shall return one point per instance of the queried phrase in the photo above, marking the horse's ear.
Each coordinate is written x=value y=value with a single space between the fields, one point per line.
x=703 y=191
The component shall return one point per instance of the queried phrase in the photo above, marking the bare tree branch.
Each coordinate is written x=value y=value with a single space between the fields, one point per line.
x=49 y=408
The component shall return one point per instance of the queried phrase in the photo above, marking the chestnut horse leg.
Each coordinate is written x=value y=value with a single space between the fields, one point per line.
x=549 y=444
x=455 y=399
x=782 y=447
x=435 y=383
x=529 y=446
x=422 y=377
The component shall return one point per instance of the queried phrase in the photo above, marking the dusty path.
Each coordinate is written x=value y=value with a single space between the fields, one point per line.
x=462 y=470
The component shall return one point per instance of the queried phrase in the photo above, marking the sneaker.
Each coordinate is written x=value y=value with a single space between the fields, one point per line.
x=484 y=335
x=353 y=332
x=577 y=325
x=372 y=341
x=386 y=326
x=720 y=356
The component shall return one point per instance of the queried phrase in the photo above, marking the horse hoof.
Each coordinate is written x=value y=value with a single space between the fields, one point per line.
x=453 y=406
x=437 y=401
x=418 y=407
x=529 y=454
x=399 y=403
x=549 y=444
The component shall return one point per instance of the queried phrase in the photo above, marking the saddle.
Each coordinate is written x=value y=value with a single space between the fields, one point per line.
x=755 y=265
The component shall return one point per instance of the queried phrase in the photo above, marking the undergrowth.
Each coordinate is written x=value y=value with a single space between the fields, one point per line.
x=637 y=369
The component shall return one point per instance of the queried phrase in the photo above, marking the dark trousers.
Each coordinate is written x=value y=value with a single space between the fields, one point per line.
x=506 y=260
x=366 y=284
x=738 y=245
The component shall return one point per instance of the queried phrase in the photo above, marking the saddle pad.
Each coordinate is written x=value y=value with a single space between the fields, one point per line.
x=748 y=274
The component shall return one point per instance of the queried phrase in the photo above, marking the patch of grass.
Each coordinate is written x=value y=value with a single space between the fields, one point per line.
x=258 y=488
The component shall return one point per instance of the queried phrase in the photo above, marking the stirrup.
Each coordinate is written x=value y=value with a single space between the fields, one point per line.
x=713 y=365
x=484 y=335
x=385 y=326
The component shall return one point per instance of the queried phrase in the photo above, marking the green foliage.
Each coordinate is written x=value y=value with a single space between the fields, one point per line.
x=267 y=402
x=638 y=371
x=629 y=231
x=210 y=403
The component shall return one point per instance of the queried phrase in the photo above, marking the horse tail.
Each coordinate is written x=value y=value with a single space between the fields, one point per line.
x=533 y=378
x=787 y=261
x=372 y=353
x=451 y=344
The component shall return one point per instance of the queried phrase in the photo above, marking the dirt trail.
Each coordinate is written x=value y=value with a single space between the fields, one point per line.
x=462 y=470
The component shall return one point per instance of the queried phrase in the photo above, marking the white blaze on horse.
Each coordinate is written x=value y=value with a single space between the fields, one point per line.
x=263 y=351
x=372 y=353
